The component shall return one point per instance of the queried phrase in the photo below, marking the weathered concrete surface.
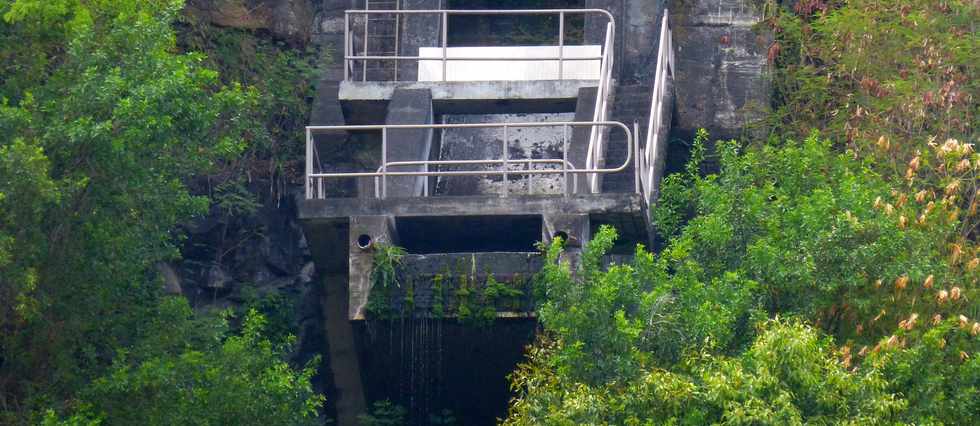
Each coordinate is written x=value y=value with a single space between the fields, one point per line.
x=381 y=230
x=327 y=210
x=719 y=77
x=341 y=348
x=418 y=31
x=408 y=106
x=487 y=143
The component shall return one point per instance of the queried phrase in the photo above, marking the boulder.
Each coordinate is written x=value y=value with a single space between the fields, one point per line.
x=290 y=20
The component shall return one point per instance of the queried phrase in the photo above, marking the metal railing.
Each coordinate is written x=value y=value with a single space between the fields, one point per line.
x=597 y=142
x=647 y=161
x=315 y=180
x=351 y=59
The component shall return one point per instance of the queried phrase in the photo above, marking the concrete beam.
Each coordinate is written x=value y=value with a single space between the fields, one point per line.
x=333 y=209
x=455 y=92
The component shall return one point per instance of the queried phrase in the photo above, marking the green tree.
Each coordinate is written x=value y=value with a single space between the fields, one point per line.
x=103 y=123
x=238 y=380
x=796 y=231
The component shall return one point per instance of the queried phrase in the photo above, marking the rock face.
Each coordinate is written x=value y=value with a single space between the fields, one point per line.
x=287 y=19
x=229 y=258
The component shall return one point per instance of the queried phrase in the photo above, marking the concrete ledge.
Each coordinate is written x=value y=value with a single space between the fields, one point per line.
x=332 y=209
x=503 y=265
x=472 y=96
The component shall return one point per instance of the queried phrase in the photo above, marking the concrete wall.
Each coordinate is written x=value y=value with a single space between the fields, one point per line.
x=721 y=61
x=510 y=69
x=487 y=143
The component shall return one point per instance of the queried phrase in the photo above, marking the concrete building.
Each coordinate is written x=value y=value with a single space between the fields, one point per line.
x=467 y=135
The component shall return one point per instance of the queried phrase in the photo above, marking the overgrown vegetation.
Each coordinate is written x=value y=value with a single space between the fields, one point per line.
x=791 y=296
x=282 y=78
x=474 y=299
x=832 y=280
x=889 y=81
x=104 y=125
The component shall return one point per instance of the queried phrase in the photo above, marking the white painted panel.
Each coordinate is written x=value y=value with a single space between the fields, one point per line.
x=510 y=70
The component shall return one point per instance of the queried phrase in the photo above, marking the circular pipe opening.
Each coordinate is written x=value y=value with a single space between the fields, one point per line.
x=364 y=241
x=561 y=234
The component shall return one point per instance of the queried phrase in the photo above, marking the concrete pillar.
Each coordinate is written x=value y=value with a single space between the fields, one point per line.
x=366 y=232
x=424 y=30
x=348 y=393
x=577 y=229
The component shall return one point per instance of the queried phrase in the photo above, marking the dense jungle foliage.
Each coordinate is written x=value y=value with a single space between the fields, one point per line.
x=826 y=274
x=108 y=127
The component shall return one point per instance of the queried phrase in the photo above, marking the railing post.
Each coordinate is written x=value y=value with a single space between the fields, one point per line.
x=530 y=174
x=367 y=17
x=445 y=43
x=309 y=163
x=636 y=159
x=384 y=162
x=506 y=155
x=564 y=159
x=397 y=36
x=561 y=43
x=347 y=45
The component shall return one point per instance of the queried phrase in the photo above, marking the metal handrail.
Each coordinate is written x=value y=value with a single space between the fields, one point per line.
x=383 y=172
x=596 y=149
x=350 y=57
x=665 y=65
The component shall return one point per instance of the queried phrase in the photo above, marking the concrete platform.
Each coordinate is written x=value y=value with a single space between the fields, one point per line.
x=364 y=101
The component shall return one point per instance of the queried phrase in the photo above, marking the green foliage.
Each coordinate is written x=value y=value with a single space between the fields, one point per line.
x=677 y=195
x=473 y=299
x=937 y=370
x=791 y=230
x=647 y=314
x=240 y=380
x=281 y=76
x=888 y=80
x=384 y=413
x=385 y=278
x=104 y=123
x=788 y=376
x=234 y=199
x=278 y=309
x=438 y=296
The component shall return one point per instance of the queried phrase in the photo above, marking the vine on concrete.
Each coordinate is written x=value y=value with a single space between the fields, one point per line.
x=474 y=299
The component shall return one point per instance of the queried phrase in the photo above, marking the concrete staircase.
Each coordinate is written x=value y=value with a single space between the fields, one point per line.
x=631 y=103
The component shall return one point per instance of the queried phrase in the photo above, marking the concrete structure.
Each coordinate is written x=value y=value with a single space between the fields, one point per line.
x=467 y=174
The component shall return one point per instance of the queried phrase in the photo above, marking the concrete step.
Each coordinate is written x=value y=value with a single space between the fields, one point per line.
x=632 y=104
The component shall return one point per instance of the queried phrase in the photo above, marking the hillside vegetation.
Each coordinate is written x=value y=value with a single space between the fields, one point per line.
x=827 y=274
x=106 y=126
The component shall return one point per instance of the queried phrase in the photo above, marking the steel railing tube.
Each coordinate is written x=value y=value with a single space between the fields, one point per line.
x=365 y=57
x=567 y=168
